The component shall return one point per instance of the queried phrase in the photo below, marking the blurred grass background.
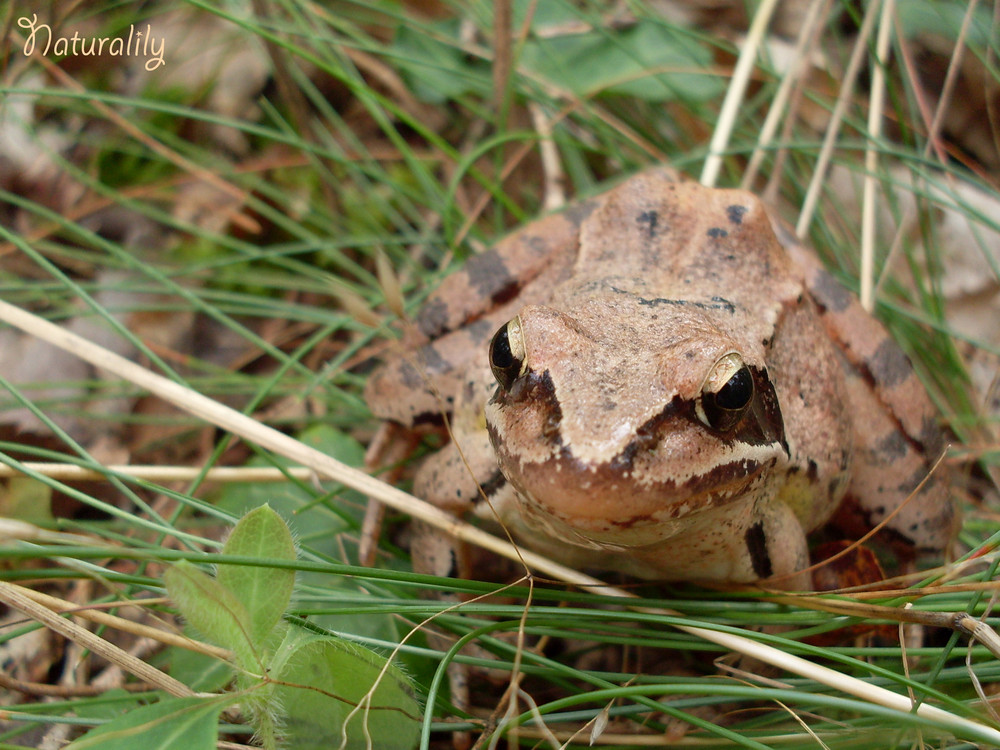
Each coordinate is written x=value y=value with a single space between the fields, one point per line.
x=218 y=216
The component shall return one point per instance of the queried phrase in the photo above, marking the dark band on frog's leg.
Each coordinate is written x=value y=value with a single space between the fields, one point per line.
x=757 y=547
x=494 y=484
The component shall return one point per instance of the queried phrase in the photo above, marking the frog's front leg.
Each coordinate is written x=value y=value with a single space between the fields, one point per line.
x=435 y=553
x=456 y=479
x=755 y=540
x=461 y=478
x=776 y=548
x=465 y=470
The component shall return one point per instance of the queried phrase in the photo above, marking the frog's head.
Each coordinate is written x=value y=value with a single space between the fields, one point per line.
x=617 y=439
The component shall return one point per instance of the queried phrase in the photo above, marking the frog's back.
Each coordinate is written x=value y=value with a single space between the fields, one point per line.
x=686 y=240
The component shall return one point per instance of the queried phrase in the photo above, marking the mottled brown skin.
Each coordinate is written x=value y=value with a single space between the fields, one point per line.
x=610 y=454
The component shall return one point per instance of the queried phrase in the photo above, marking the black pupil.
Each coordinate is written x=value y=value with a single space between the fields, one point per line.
x=500 y=354
x=737 y=391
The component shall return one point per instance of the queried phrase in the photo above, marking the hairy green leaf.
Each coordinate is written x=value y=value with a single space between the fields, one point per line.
x=213 y=610
x=263 y=591
x=323 y=683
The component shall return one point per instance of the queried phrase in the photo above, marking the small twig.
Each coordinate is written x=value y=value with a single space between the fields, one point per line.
x=934 y=126
x=734 y=94
x=66 y=691
x=92 y=614
x=19 y=598
x=797 y=69
x=555 y=180
x=503 y=44
x=977 y=632
x=869 y=194
x=161 y=474
x=958 y=621
x=836 y=118
x=966 y=623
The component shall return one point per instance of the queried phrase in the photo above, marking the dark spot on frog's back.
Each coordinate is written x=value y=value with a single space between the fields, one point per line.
x=830 y=293
x=433 y=318
x=717 y=233
x=889 y=365
x=724 y=304
x=480 y=330
x=409 y=376
x=736 y=213
x=488 y=274
x=648 y=221
x=913 y=481
x=432 y=361
x=892 y=446
x=578 y=212
x=932 y=437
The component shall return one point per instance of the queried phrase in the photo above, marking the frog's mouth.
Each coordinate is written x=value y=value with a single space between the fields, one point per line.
x=606 y=507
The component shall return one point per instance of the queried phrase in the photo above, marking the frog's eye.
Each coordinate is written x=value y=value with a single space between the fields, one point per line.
x=507 y=353
x=726 y=394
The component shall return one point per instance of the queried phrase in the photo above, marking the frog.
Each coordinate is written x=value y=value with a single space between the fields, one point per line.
x=663 y=381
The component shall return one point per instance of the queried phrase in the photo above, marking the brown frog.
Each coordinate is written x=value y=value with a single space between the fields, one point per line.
x=662 y=381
